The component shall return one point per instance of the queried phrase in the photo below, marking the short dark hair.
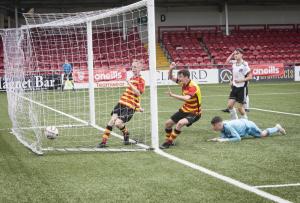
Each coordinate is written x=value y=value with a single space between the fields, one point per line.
x=240 y=50
x=216 y=119
x=184 y=72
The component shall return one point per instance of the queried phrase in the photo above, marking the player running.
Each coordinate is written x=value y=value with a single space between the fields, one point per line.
x=235 y=130
x=128 y=104
x=190 y=112
x=241 y=74
x=68 y=74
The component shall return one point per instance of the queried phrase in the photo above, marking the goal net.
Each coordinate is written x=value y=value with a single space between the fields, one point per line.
x=100 y=48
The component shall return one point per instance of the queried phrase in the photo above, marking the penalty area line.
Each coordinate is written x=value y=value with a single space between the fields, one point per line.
x=278 y=112
x=223 y=178
x=275 y=186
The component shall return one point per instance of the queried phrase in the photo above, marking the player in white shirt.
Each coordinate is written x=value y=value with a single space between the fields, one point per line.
x=241 y=74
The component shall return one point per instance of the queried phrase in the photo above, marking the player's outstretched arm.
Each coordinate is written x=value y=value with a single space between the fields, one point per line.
x=179 y=97
x=230 y=135
x=170 y=75
x=220 y=139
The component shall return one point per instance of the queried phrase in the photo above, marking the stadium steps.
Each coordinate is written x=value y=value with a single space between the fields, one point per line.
x=204 y=47
x=161 y=58
x=162 y=61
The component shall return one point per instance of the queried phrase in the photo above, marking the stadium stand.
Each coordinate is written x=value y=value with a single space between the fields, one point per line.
x=194 y=48
x=205 y=47
x=109 y=50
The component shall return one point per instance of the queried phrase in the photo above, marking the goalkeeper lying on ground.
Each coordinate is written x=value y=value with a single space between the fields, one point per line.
x=128 y=104
x=235 y=130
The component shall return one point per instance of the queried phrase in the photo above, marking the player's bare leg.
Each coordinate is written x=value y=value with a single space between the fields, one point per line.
x=247 y=104
x=232 y=111
x=73 y=86
x=63 y=85
x=242 y=111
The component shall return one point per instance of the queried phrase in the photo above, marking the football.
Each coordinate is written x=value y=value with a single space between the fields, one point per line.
x=51 y=132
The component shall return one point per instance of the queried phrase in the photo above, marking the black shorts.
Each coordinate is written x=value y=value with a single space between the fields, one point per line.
x=68 y=76
x=192 y=118
x=238 y=94
x=124 y=113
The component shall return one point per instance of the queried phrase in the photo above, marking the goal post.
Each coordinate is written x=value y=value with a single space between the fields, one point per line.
x=101 y=47
x=89 y=33
x=152 y=70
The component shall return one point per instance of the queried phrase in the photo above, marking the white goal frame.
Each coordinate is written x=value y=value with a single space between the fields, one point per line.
x=91 y=122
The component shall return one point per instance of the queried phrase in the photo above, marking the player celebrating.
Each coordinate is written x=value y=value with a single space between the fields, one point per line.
x=190 y=112
x=241 y=74
x=128 y=104
x=68 y=74
x=234 y=130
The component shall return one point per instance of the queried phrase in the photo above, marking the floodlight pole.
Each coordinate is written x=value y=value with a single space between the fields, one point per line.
x=226 y=18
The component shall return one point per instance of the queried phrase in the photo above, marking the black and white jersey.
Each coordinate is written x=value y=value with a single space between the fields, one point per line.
x=239 y=72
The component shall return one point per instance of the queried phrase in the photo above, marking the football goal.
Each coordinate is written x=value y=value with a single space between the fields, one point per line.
x=68 y=71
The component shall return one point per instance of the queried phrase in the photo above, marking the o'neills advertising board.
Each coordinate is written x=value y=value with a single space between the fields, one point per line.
x=268 y=69
x=102 y=78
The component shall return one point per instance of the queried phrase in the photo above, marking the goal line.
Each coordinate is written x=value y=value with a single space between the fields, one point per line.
x=142 y=146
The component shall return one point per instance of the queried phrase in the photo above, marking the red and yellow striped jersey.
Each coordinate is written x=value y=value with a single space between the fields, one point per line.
x=193 y=105
x=129 y=98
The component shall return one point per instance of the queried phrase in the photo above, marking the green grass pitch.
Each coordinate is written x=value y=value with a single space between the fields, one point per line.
x=148 y=177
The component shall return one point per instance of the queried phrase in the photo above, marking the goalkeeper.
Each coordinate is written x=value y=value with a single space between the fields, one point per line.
x=235 y=130
x=68 y=74
x=128 y=104
x=190 y=112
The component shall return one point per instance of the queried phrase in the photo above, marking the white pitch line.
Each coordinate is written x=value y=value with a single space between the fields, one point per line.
x=223 y=178
x=273 y=186
x=77 y=119
x=258 y=94
x=202 y=110
x=278 y=112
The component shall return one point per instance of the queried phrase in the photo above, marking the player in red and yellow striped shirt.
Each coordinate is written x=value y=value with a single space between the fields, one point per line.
x=128 y=104
x=190 y=112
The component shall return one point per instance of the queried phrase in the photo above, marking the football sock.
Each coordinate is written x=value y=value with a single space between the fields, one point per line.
x=173 y=136
x=246 y=105
x=124 y=130
x=106 y=134
x=272 y=131
x=168 y=133
x=244 y=116
x=233 y=114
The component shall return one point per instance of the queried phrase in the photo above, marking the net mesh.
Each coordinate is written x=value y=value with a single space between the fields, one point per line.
x=42 y=95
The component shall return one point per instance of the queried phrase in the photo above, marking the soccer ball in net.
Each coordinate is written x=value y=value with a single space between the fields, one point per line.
x=51 y=132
